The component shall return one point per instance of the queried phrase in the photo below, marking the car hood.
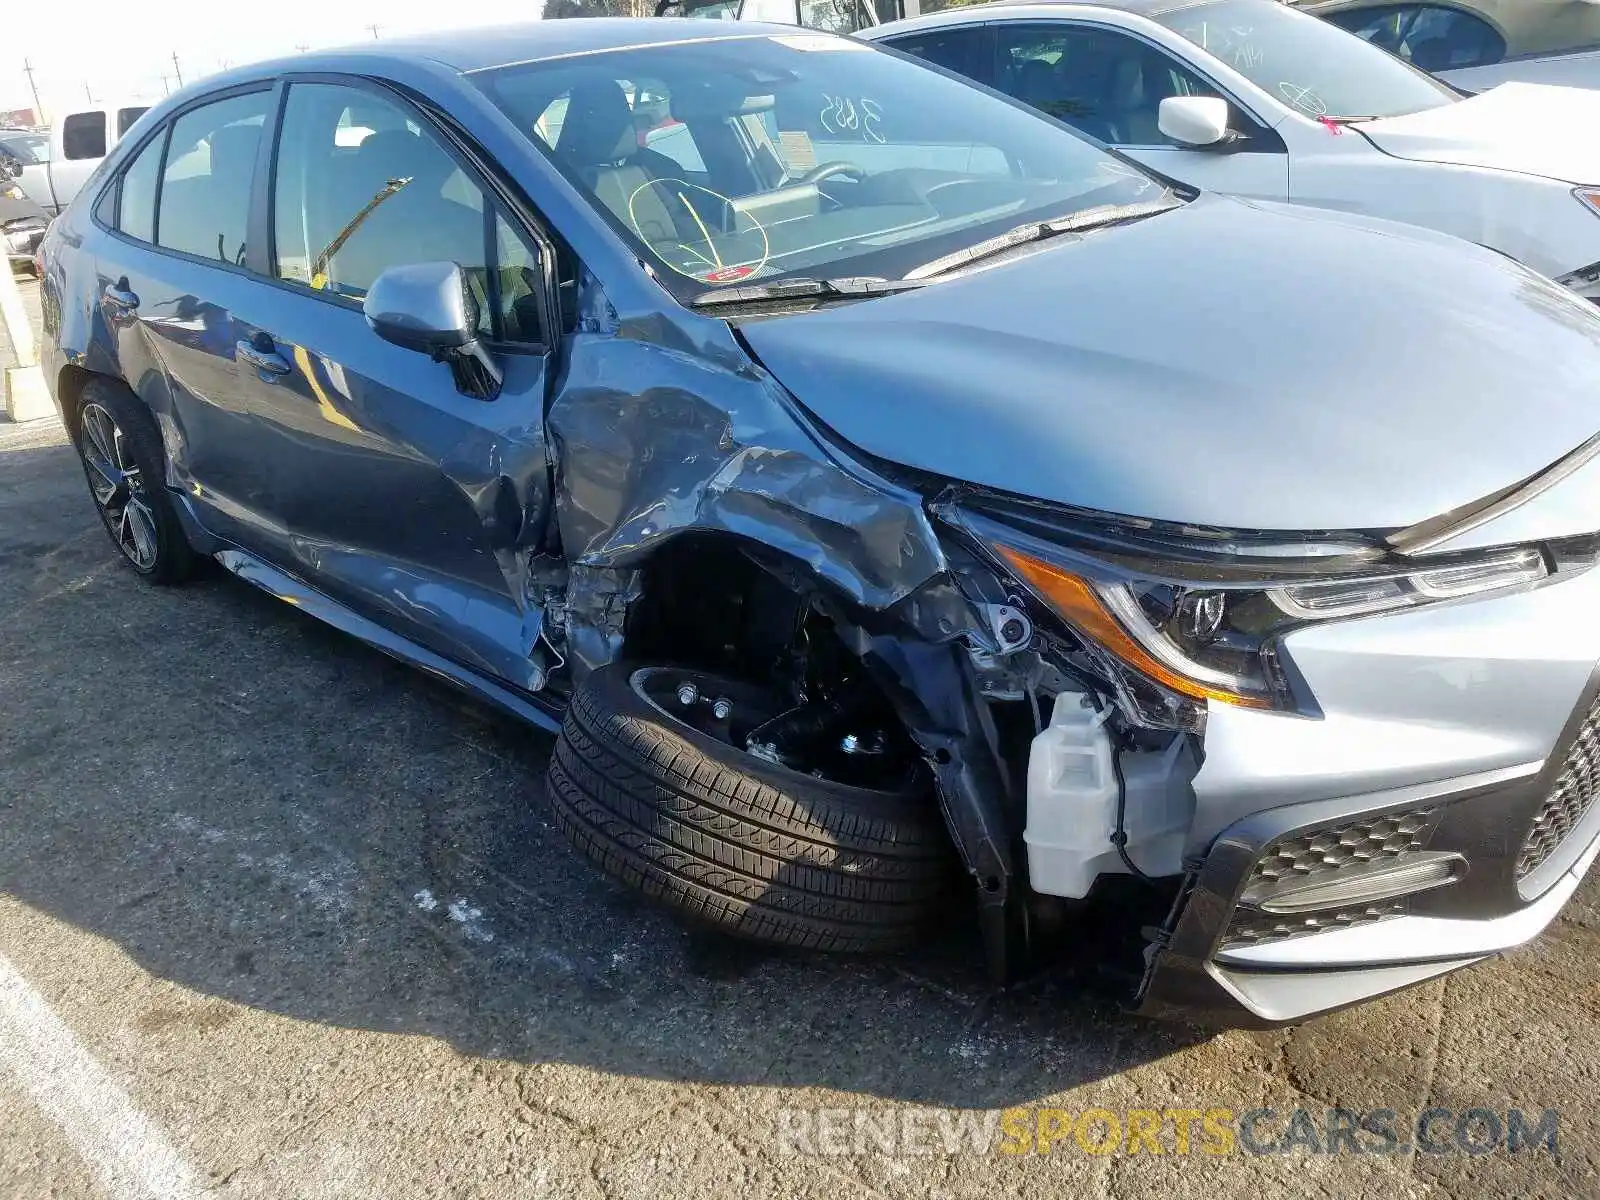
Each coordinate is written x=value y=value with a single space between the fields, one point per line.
x=1228 y=363
x=1526 y=127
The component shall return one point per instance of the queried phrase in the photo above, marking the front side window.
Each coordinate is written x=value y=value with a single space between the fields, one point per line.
x=83 y=135
x=361 y=187
x=966 y=50
x=814 y=156
x=136 y=215
x=1105 y=83
x=205 y=184
x=1315 y=68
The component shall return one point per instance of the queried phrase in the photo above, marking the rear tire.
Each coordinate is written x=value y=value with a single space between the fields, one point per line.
x=754 y=848
x=125 y=463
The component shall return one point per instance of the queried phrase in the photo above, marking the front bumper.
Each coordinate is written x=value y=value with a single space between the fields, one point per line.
x=1470 y=733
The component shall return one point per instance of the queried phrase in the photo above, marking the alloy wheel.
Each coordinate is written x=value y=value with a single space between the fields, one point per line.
x=118 y=486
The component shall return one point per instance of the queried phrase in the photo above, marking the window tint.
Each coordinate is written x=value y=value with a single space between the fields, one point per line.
x=127 y=116
x=205 y=185
x=1384 y=27
x=1444 y=39
x=83 y=135
x=1107 y=84
x=965 y=51
x=1427 y=36
x=362 y=187
x=137 y=215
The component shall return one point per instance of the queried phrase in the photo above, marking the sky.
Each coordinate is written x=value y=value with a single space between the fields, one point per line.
x=124 y=50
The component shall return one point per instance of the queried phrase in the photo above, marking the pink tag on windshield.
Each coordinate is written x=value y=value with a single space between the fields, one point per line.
x=1333 y=126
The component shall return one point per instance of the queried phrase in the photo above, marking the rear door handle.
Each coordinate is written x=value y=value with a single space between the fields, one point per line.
x=262 y=354
x=120 y=296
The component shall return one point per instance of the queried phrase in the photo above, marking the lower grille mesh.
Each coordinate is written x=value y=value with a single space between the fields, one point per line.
x=1569 y=801
x=1323 y=854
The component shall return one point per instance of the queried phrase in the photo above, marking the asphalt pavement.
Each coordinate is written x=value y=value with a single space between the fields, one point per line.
x=281 y=918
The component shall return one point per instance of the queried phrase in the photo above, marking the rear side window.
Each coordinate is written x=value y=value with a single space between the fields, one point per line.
x=83 y=135
x=205 y=185
x=137 y=213
x=127 y=116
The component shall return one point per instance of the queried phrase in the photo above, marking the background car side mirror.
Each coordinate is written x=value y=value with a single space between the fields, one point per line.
x=1195 y=121
x=428 y=308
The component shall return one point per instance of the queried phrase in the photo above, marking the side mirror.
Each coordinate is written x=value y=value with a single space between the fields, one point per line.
x=428 y=308
x=1195 y=121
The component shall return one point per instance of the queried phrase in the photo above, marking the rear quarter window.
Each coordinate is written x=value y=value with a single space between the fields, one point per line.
x=83 y=135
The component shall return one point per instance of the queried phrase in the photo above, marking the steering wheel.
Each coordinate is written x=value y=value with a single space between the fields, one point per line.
x=828 y=170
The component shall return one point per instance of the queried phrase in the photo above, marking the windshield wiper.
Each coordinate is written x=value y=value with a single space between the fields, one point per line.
x=1038 y=231
x=850 y=286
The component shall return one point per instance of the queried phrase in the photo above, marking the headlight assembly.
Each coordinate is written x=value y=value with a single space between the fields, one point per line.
x=1178 y=619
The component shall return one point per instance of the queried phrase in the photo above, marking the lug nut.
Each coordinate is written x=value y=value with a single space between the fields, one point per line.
x=687 y=694
x=722 y=708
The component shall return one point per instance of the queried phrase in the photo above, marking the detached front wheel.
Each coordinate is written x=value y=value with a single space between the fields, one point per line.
x=651 y=781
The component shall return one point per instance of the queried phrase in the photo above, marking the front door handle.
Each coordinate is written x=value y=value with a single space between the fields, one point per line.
x=262 y=354
x=119 y=295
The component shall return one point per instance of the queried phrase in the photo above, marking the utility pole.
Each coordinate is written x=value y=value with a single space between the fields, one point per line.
x=374 y=29
x=302 y=46
x=38 y=108
x=166 y=88
x=176 y=69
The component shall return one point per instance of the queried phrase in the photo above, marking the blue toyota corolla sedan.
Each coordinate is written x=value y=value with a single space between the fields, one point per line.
x=894 y=498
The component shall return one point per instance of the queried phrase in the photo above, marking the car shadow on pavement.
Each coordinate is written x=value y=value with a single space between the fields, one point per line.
x=260 y=809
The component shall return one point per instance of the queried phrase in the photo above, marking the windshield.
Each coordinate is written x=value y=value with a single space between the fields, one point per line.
x=25 y=147
x=747 y=159
x=1312 y=66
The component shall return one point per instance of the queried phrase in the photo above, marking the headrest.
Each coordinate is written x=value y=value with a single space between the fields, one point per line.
x=598 y=127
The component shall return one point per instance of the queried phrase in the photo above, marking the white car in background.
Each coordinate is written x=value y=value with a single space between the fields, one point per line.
x=1255 y=98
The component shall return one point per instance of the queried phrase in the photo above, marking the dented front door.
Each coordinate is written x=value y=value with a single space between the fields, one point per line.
x=393 y=492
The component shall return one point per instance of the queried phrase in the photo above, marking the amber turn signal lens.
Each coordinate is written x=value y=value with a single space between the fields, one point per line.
x=1078 y=604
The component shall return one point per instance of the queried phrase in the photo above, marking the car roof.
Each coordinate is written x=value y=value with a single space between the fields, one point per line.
x=468 y=50
x=1152 y=9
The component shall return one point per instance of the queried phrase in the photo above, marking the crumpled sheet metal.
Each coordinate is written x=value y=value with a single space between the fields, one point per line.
x=643 y=458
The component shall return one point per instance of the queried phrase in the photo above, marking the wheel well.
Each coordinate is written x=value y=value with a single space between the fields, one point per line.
x=69 y=390
x=707 y=601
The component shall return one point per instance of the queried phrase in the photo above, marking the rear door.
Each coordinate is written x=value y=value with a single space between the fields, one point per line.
x=172 y=276
x=379 y=481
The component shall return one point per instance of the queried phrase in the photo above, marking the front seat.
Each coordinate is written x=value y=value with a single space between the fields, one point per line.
x=600 y=145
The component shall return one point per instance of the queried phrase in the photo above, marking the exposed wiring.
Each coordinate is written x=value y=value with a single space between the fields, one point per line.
x=544 y=636
x=1119 y=839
